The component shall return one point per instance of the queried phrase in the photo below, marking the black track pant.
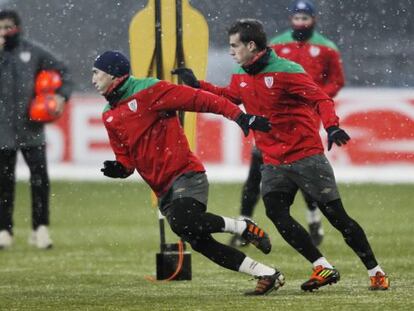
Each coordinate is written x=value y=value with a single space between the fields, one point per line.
x=190 y=221
x=35 y=157
x=251 y=187
x=278 y=210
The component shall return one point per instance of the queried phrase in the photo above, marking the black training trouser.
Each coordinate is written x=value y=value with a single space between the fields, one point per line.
x=190 y=221
x=35 y=158
x=251 y=187
x=278 y=210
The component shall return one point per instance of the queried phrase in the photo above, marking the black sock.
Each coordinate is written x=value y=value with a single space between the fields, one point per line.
x=311 y=204
x=221 y=254
x=278 y=210
x=352 y=232
x=251 y=188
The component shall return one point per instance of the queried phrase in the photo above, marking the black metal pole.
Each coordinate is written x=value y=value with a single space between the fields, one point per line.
x=180 y=48
x=158 y=40
x=179 y=33
x=180 y=51
x=160 y=75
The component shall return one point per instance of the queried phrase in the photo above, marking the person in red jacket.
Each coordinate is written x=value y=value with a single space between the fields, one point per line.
x=318 y=55
x=321 y=59
x=293 y=154
x=145 y=135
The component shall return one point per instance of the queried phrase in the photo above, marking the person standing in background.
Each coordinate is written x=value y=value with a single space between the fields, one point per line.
x=20 y=63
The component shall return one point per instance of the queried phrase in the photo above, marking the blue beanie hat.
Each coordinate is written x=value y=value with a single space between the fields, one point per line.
x=303 y=6
x=113 y=63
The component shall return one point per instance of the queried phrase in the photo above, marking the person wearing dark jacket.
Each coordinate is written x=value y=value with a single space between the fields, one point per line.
x=20 y=63
x=293 y=153
x=146 y=136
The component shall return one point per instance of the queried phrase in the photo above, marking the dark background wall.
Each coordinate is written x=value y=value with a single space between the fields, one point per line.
x=375 y=36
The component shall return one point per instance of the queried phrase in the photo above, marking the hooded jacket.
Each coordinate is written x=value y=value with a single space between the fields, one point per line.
x=145 y=132
x=284 y=93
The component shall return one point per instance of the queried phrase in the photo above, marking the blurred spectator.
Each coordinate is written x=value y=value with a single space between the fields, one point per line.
x=20 y=63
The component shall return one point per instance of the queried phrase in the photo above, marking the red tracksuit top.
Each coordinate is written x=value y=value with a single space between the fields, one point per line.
x=146 y=136
x=288 y=96
x=318 y=56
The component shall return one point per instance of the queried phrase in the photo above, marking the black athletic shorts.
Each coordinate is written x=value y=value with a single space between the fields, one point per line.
x=189 y=185
x=313 y=175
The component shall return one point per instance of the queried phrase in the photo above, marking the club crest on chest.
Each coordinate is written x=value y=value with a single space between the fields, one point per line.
x=133 y=105
x=25 y=56
x=268 y=82
x=285 y=51
x=314 y=51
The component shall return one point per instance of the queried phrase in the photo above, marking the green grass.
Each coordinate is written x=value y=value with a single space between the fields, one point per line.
x=106 y=237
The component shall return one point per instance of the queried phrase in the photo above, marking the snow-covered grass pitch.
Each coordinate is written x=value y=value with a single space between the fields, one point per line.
x=106 y=237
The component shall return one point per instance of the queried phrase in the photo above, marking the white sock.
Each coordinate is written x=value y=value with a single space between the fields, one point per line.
x=313 y=216
x=234 y=225
x=255 y=268
x=322 y=262
x=373 y=271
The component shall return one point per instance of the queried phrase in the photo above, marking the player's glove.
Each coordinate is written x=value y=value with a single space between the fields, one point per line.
x=115 y=169
x=188 y=76
x=249 y=121
x=336 y=135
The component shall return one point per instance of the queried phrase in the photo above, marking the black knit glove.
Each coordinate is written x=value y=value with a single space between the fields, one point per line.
x=249 y=121
x=115 y=169
x=336 y=135
x=187 y=76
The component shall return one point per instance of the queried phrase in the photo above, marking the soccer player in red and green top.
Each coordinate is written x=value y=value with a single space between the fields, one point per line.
x=293 y=155
x=146 y=136
x=320 y=58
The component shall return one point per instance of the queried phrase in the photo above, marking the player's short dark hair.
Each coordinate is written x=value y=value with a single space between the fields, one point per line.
x=10 y=14
x=249 y=29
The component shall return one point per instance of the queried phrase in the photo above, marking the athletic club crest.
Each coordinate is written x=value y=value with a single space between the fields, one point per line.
x=268 y=81
x=25 y=56
x=133 y=105
x=314 y=51
x=285 y=51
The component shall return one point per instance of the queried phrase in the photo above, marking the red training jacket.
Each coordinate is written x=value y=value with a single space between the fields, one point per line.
x=146 y=135
x=288 y=96
x=318 y=56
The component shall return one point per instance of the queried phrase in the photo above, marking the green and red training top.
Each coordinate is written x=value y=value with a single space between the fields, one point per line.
x=283 y=92
x=145 y=132
x=318 y=56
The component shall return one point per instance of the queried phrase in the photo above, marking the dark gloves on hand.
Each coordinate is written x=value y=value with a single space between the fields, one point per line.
x=115 y=169
x=248 y=121
x=187 y=75
x=337 y=136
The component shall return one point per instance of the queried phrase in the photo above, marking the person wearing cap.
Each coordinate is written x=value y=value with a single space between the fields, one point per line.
x=293 y=153
x=321 y=59
x=145 y=134
x=302 y=44
x=20 y=63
